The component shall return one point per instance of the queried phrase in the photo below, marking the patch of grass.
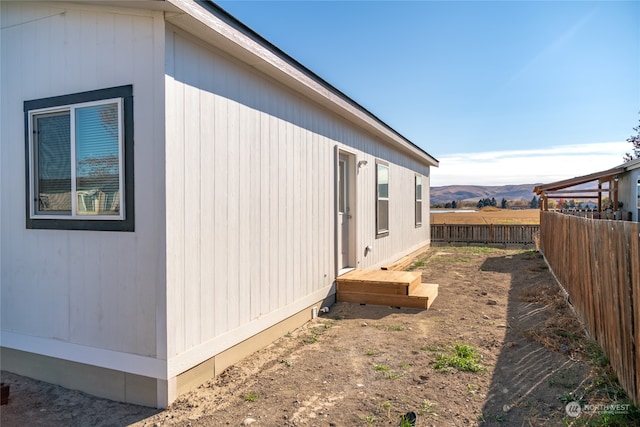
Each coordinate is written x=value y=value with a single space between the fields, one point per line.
x=450 y=259
x=491 y=418
x=387 y=407
x=417 y=264
x=393 y=375
x=371 y=353
x=395 y=328
x=463 y=357
x=251 y=397
x=405 y=422
x=370 y=420
x=427 y=408
x=310 y=338
x=381 y=368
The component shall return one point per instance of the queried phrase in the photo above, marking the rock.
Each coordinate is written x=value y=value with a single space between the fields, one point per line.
x=492 y=302
x=485 y=317
x=248 y=421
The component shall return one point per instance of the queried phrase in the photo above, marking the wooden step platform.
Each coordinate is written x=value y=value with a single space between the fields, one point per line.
x=386 y=287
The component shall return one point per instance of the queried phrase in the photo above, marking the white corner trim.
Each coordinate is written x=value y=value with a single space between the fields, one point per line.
x=109 y=359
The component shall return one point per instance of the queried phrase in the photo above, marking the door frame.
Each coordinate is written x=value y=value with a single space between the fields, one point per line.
x=350 y=158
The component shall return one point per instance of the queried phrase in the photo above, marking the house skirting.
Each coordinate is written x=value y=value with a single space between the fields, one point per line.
x=138 y=389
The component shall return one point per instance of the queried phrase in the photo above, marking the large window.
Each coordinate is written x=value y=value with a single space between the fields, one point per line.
x=80 y=161
x=418 y=188
x=382 y=199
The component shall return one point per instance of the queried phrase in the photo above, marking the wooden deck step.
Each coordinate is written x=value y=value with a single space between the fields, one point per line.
x=384 y=287
x=379 y=281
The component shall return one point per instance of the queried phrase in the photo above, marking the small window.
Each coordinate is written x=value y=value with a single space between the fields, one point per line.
x=418 y=201
x=80 y=161
x=382 y=199
x=638 y=193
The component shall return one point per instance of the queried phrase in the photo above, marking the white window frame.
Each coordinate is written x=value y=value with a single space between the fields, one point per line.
x=418 y=200
x=33 y=169
x=381 y=232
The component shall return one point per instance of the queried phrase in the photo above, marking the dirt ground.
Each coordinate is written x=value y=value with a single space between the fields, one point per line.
x=361 y=365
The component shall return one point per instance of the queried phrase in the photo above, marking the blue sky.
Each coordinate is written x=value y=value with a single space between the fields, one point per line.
x=501 y=92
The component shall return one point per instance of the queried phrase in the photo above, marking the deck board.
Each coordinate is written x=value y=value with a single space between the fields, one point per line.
x=386 y=287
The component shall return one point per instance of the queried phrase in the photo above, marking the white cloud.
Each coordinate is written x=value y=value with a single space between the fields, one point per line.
x=527 y=166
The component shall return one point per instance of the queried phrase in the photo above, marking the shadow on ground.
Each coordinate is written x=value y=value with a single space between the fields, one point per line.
x=531 y=383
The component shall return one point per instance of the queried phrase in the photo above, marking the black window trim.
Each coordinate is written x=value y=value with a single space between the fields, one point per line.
x=126 y=224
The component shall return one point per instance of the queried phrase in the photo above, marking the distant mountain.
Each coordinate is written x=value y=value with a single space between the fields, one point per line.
x=449 y=193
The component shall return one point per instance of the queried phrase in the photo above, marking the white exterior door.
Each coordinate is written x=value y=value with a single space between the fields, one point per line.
x=344 y=212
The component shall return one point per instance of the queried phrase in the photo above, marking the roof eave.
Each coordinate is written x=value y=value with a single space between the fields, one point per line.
x=211 y=23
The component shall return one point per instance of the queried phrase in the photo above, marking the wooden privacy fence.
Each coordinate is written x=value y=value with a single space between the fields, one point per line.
x=484 y=233
x=598 y=263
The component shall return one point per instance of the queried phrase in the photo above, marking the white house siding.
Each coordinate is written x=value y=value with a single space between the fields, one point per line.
x=82 y=295
x=250 y=200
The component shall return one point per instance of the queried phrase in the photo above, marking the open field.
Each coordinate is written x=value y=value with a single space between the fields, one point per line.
x=488 y=216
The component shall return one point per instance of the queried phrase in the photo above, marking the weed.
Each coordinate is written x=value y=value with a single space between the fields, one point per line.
x=595 y=354
x=395 y=328
x=486 y=418
x=370 y=353
x=417 y=264
x=406 y=422
x=393 y=375
x=381 y=368
x=250 y=397
x=427 y=408
x=431 y=348
x=286 y=362
x=404 y=366
x=462 y=357
x=370 y=420
x=288 y=335
x=310 y=338
x=387 y=406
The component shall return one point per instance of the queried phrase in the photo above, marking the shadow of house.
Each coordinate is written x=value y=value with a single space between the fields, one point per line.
x=530 y=380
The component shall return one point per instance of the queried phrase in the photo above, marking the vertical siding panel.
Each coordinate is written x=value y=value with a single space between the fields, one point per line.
x=252 y=203
x=297 y=203
x=175 y=204
x=208 y=167
x=191 y=209
x=233 y=191
x=282 y=209
x=245 y=238
x=265 y=280
x=275 y=217
x=221 y=231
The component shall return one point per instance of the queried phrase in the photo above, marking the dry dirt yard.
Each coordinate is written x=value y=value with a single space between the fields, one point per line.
x=362 y=365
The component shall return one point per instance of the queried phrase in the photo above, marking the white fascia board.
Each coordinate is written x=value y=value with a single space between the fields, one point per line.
x=204 y=24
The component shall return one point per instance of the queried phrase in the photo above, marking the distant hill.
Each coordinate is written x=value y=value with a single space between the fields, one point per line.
x=449 y=193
